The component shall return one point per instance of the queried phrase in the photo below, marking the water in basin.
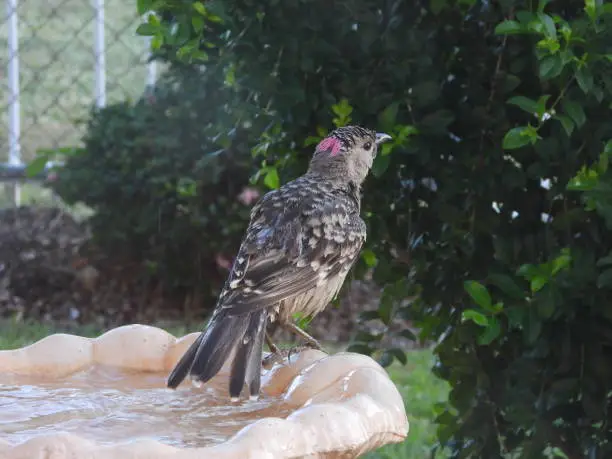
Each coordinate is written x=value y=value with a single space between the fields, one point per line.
x=107 y=405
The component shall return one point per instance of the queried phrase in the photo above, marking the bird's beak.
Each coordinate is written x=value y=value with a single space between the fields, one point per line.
x=381 y=137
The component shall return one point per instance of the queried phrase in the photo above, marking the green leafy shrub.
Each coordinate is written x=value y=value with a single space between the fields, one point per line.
x=167 y=186
x=495 y=102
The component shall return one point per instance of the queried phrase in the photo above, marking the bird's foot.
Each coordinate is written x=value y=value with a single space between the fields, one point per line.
x=303 y=347
x=273 y=358
x=285 y=355
x=312 y=344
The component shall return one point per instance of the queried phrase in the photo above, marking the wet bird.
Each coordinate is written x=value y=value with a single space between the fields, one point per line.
x=301 y=242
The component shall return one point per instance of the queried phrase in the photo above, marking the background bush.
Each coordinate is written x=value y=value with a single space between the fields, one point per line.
x=165 y=183
x=490 y=102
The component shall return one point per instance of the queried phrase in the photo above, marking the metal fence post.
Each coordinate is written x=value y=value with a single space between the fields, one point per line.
x=14 y=109
x=99 y=53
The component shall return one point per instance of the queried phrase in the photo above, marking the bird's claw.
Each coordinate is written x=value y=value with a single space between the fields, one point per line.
x=300 y=348
x=285 y=354
x=273 y=358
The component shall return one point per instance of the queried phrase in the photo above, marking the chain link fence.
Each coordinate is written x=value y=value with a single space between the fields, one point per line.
x=59 y=58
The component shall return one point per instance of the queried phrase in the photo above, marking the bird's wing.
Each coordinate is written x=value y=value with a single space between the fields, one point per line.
x=290 y=251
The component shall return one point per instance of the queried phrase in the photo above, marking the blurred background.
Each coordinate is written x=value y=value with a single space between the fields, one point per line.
x=136 y=136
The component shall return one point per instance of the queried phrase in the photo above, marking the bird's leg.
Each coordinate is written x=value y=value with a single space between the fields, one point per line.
x=276 y=355
x=273 y=347
x=310 y=341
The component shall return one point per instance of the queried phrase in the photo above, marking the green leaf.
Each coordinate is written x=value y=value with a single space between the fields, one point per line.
x=542 y=100
x=385 y=307
x=271 y=180
x=36 y=166
x=311 y=140
x=143 y=6
x=546 y=304
x=406 y=333
x=532 y=327
x=561 y=262
x=574 y=110
x=197 y=23
x=156 y=42
x=524 y=103
x=360 y=348
x=200 y=8
x=479 y=294
x=369 y=257
x=399 y=354
x=604 y=280
x=567 y=123
x=584 y=77
x=343 y=111
x=551 y=67
x=549 y=25
x=525 y=16
x=508 y=27
x=477 y=317
x=381 y=164
x=387 y=118
x=516 y=138
x=604 y=261
x=527 y=271
x=542 y=5
x=386 y=149
x=515 y=316
x=590 y=7
x=147 y=29
x=385 y=359
x=507 y=285
x=538 y=282
x=490 y=333
x=364 y=336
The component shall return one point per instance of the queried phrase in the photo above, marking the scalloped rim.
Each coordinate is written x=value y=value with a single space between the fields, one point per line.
x=333 y=394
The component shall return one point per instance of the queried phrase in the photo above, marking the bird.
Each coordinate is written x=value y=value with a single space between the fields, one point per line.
x=301 y=242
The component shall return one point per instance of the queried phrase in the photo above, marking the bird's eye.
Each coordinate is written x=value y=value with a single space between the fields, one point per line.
x=368 y=145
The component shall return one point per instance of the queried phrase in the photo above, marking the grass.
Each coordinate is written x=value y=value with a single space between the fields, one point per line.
x=419 y=388
x=56 y=54
x=421 y=391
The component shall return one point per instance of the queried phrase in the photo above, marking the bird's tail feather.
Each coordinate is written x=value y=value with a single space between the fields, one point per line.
x=206 y=356
x=246 y=366
x=181 y=369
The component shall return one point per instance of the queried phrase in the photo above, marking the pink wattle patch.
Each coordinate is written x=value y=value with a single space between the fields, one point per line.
x=330 y=144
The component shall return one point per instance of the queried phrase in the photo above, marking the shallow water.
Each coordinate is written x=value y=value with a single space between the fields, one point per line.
x=109 y=406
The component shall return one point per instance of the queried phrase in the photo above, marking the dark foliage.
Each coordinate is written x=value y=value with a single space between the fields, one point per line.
x=164 y=185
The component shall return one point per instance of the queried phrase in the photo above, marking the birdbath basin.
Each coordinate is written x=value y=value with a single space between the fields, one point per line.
x=67 y=396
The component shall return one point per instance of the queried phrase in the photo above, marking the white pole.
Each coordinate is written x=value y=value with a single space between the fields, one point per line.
x=151 y=65
x=13 y=83
x=99 y=50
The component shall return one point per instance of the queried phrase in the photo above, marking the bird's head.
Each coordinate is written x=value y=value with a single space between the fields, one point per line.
x=347 y=153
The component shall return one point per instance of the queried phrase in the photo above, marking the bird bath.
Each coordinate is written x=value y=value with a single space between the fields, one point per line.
x=66 y=396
